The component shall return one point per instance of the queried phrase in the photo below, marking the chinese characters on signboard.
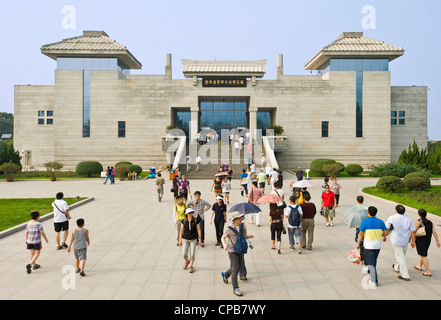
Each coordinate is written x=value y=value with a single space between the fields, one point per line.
x=227 y=82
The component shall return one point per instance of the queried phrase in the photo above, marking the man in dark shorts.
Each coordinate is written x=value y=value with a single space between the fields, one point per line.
x=61 y=219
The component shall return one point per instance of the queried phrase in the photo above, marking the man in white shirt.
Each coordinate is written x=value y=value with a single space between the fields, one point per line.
x=61 y=223
x=198 y=163
x=402 y=230
x=273 y=175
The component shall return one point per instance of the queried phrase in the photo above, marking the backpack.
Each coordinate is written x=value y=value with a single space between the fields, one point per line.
x=241 y=245
x=294 y=217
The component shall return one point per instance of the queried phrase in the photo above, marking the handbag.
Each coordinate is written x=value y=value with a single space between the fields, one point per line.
x=421 y=232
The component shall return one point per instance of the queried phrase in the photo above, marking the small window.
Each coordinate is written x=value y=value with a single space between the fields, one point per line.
x=393 y=121
x=49 y=113
x=393 y=114
x=40 y=121
x=402 y=114
x=41 y=113
x=402 y=122
x=325 y=129
x=49 y=121
x=121 y=129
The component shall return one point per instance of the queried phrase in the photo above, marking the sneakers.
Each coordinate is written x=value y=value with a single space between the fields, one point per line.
x=224 y=278
x=237 y=292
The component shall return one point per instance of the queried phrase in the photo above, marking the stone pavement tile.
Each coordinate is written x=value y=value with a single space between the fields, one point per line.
x=133 y=253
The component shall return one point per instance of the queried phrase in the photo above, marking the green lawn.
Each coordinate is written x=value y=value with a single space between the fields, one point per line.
x=429 y=200
x=16 y=211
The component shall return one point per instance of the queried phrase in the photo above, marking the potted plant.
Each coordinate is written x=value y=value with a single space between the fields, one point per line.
x=121 y=171
x=10 y=170
x=278 y=129
x=52 y=167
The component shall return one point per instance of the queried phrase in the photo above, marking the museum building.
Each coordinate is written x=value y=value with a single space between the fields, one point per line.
x=346 y=109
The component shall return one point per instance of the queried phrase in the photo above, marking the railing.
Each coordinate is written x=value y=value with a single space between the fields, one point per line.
x=268 y=147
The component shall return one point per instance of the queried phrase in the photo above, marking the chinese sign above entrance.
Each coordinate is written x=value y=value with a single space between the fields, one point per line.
x=227 y=82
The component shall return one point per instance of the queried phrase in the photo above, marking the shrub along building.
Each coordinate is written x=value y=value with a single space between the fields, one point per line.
x=346 y=110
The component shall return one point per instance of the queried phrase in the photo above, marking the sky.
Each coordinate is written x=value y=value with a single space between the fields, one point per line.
x=222 y=30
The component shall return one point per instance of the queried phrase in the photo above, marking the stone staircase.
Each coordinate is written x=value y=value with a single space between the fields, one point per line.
x=207 y=171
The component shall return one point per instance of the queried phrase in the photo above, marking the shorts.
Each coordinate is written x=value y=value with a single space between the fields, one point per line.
x=327 y=212
x=33 y=246
x=80 y=254
x=261 y=185
x=61 y=226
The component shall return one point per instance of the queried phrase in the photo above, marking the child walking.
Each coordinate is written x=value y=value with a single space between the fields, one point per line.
x=34 y=232
x=80 y=241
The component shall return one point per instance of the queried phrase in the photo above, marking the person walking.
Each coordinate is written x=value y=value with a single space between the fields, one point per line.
x=160 y=186
x=244 y=182
x=198 y=163
x=179 y=215
x=276 y=226
x=61 y=220
x=80 y=240
x=187 y=161
x=34 y=232
x=219 y=212
x=423 y=242
x=253 y=196
x=113 y=171
x=401 y=230
x=372 y=232
x=309 y=211
x=335 y=187
x=261 y=179
x=188 y=238
x=184 y=188
x=108 y=175
x=328 y=205
x=200 y=206
x=299 y=174
x=294 y=214
x=175 y=187
x=236 y=228
x=218 y=186
x=226 y=189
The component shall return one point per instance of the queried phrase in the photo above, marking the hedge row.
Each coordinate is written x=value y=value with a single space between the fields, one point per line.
x=329 y=167
x=412 y=181
x=90 y=168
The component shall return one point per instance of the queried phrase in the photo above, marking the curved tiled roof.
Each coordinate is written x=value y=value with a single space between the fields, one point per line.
x=245 y=68
x=354 y=45
x=91 y=43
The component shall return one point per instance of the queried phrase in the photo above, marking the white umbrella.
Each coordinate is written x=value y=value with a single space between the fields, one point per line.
x=303 y=184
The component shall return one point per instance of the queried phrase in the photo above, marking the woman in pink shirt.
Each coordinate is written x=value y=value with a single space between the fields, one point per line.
x=253 y=196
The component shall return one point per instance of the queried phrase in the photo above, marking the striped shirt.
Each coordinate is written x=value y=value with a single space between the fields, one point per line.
x=34 y=230
x=373 y=232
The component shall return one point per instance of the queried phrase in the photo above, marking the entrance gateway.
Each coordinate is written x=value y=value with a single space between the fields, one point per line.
x=220 y=111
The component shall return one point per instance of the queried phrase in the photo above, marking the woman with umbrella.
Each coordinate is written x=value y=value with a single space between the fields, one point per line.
x=275 y=218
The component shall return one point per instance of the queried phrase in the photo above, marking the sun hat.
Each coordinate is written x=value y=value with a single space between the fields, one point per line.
x=189 y=210
x=237 y=214
x=219 y=197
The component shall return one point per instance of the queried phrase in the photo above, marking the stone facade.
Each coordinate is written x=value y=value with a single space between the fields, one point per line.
x=147 y=102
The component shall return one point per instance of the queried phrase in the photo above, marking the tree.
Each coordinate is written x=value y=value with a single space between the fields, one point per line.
x=10 y=155
x=414 y=156
x=52 y=167
x=6 y=123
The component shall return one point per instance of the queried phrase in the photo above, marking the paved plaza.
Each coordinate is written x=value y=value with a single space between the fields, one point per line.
x=133 y=252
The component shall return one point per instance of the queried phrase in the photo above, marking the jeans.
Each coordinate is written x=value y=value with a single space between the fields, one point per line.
x=245 y=188
x=108 y=177
x=236 y=263
x=202 y=225
x=189 y=244
x=294 y=232
x=371 y=256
